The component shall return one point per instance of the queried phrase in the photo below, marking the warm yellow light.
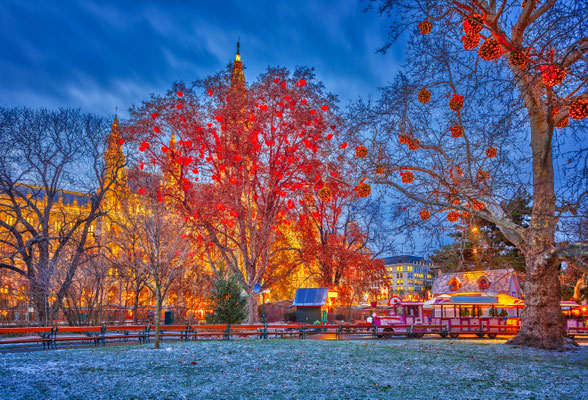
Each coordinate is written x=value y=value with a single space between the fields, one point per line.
x=474 y=229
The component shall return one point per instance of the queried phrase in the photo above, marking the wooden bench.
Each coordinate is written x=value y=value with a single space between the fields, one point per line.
x=210 y=331
x=283 y=330
x=141 y=332
x=44 y=335
x=182 y=332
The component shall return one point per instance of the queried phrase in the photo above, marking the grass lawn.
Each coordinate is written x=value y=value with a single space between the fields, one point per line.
x=285 y=369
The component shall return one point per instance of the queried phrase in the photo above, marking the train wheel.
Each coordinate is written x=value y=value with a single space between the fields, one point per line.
x=480 y=335
x=387 y=330
x=492 y=335
x=454 y=335
x=418 y=335
x=443 y=334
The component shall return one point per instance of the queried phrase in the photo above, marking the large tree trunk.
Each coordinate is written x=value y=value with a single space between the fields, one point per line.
x=40 y=298
x=252 y=308
x=542 y=321
x=157 y=314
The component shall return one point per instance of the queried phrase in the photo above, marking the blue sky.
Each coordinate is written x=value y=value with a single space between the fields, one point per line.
x=98 y=55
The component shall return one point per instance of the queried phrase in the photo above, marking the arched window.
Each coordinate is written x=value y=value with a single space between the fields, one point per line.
x=483 y=282
x=454 y=284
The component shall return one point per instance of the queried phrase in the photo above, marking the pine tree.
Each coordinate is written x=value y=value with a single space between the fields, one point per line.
x=228 y=302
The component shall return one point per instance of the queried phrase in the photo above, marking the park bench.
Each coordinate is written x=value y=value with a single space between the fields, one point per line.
x=182 y=332
x=43 y=335
x=283 y=330
x=140 y=332
x=361 y=329
x=210 y=331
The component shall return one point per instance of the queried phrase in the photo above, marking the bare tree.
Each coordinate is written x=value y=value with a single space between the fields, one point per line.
x=452 y=127
x=154 y=246
x=52 y=182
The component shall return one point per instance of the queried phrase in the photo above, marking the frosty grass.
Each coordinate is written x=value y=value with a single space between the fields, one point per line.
x=309 y=369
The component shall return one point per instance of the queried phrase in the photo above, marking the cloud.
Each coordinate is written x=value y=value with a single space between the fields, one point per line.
x=99 y=55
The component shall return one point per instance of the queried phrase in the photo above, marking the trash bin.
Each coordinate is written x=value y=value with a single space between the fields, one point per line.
x=169 y=317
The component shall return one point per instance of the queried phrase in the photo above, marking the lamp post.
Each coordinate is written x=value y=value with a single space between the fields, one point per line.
x=257 y=289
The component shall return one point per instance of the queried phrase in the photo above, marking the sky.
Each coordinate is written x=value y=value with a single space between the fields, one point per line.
x=103 y=55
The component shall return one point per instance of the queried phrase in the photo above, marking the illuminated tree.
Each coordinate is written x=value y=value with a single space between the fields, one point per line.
x=335 y=245
x=521 y=77
x=242 y=157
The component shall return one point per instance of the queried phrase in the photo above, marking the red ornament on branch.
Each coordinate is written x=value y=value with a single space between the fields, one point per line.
x=363 y=190
x=490 y=50
x=553 y=75
x=478 y=205
x=452 y=216
x=473 y=24
x=414 y=144
x=425 y=27
x=470 y=42
x=491 y=152
x=456 y=102
x=579 y=109
x=456 y=131
x=425 y=215
x=517 y=59
x=407 y=176
x=361 y=151
x=424 y=96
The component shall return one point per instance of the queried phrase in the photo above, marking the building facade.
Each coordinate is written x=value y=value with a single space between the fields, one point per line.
x=409 y=276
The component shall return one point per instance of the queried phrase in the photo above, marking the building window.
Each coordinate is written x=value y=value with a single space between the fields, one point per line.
x=409 y=268
x=399 y=269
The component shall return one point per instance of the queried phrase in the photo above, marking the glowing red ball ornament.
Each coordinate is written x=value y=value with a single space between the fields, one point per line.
x=473 y=24
x=424 y=96
x=456 y=102
x=517 y=59
x=452 y=216
x=180 y=94
x=414 y=144
x=470 y=42
x=407 y=176
x=425 y=27
x=363 y=190
x=553 y=75
x=425 y=215
x=361 y=151
x=490 y=50
x=478 y=205
x=579 y=109
x=456 y=131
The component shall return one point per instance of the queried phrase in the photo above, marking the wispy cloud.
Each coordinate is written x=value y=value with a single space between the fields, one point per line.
x=99 y=55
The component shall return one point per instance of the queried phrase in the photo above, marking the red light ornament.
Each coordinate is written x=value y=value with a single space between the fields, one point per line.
x=424 y=96
x=579 y=109
x=363 y=190
x=490 y=50
x=456 y=102
x=425 y=27
x=407 y=176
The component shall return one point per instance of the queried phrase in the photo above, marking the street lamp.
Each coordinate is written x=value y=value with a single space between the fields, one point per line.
x=257 y=290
